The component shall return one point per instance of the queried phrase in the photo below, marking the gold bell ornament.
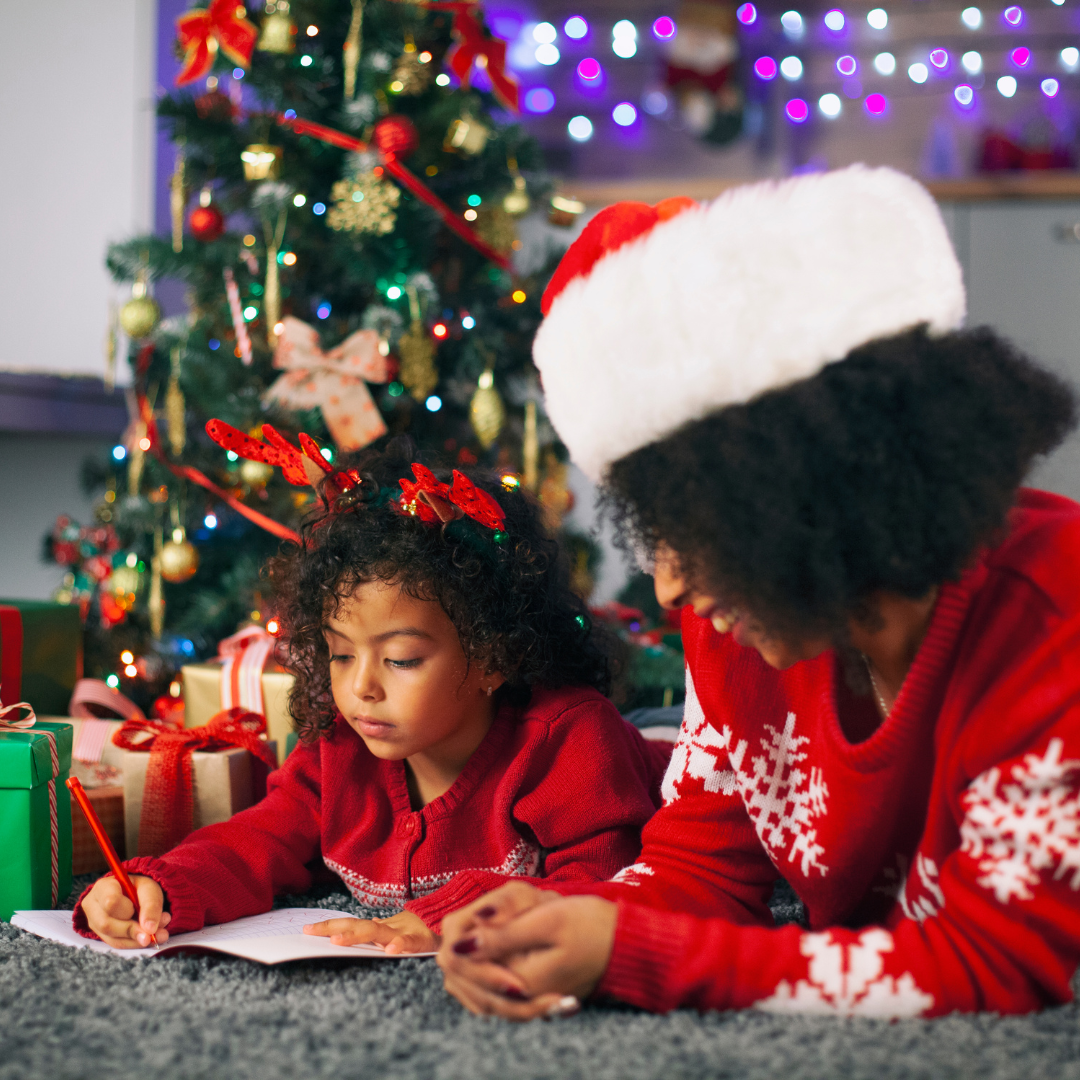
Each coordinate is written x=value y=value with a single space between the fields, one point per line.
x=364 y=204
x=487 y=414
x=261 y=161
x=516 y=202
x=467 y=136
x=140 y=314
x=278 y=30
x=179 y=559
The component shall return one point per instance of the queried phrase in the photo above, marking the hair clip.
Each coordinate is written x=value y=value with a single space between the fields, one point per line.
x=433 y=501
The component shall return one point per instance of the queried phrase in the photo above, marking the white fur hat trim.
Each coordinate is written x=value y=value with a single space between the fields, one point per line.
x=761 y=288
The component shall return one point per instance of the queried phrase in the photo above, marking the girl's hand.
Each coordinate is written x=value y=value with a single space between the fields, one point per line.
x=520 y=952
x=110 y=914
x=401 y=933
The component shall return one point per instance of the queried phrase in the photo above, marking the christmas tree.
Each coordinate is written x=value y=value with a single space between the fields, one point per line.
x=347 y=181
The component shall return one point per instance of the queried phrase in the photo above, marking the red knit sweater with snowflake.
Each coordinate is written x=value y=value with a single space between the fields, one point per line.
x=939 y=859
x=519 y=808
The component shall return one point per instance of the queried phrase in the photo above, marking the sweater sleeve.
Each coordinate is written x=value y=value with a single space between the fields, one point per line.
x=584 y=796
x=995 y=928
x=232 y=869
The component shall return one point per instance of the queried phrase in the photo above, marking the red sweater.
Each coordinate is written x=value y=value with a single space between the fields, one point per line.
x=519 y=808
x=939 y=859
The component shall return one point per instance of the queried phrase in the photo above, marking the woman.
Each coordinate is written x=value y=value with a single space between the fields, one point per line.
x=882 y=629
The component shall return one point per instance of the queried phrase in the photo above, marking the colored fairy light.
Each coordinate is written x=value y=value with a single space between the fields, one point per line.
x=624 y=47
x=238 y=73
x=395 y=389
x=655 y=102
x=539 y=99
x=510 y=482
x=918 y=73
x=470 y=215
x=624 y=114
x=575 y=27
x=830 y=105
x=112 y=681
x=433 y=403
x=972 y=62
x=792 y=22
x=323 y=310
x=589 y=70
x=442 y=79
x=547 y=54
x=797 y=111
x=290 y=114
x=764 y=68
x=250 y=312
x=580 y=128
x=131 y=560
x=1070 y=58
x=231 y=455
x=474 y=200
x=1050 y=87
x=299 y=200
x=519 y=297
x=131 y=671
x=439 y=330
x=1006 y=86
x=746 y=14
x=273 y=626
x=971 y=17
x=468 y=322
x=847 y=65
x=289 y=258
x=544 y=33
x=1013 y=15
x=885 y=63
x=791 y=68
x=939 y=58
x=664 y=28
x=305 y=61
x=876 y=104
x=127 y=657
x=834 y=20
x=327 y=453
x=210 y=521
x=393 y=293
x=119 y=453
x=312 y=30
x=1020 y=57
x=624 y=28
x=213 y=344
x=878 y=18
x=964 y=95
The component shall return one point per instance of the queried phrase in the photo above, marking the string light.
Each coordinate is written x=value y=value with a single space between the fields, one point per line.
x=664 y=28
x=797 y=111
x=433 y=403
x=544 y=33
x=518 y=296
x=394 y=292
x=469 y=215
x=939 y=58
x=1020 y=57
x=918 y=73
x=474 y=200
x=746 y=14
x=289 y=258
x=232 y=455
x=876 y=104
x=327 y=453
x=213 y=344
x=1070 y=58
x=439 y=330
x=112 y=682
x=249 y=240
x=834 y=20
x=442 y=79
x=312 y=31
x=885 y=63
x=1013 y=15
x=547 y=54
x=575 y=27
x=971 y=17
x=539 y=100
x=878 y=18
x=830 y=105
x=965 y=96
x=589 y=70
x=972 y=62
x=175 y=688
x=847 y=65
x=210 y=521
x=144 y=444
x=468 y=322
x=792 y=22
x=250 y=312
x=580 y=128
x=510 y=482
x=764 y=68
x=119 y=452
x=1050 y=87
x=127 y=657
x=624 y=114
x=624 y=39
x=1006 y=86
x=305 y=61
x=299 y=200
x=791 y=68
x=273 y=627
x=132 y=560
x=131 y=671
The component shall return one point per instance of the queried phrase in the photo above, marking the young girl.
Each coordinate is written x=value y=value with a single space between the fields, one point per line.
x=454 y=733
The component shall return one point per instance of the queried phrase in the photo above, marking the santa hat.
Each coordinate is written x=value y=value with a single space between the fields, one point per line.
x=658 y=315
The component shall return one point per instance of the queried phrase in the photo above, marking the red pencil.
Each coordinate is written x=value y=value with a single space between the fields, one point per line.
x=105 y=844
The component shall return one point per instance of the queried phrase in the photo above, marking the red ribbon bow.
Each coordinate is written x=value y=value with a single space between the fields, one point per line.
x=203 y=31
x=432 y=501
x=475 y=45
x=168 y=807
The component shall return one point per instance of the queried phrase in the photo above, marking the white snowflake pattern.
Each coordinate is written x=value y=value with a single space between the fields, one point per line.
x=1017 y=830
x=920 y=899
x=698 y=753
x=848 y=980
x=628 y=874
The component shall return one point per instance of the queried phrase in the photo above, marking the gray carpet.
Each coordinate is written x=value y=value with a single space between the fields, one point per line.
x=74 y=1014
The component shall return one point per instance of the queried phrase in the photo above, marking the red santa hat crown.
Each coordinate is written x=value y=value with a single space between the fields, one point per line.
x=659 y=315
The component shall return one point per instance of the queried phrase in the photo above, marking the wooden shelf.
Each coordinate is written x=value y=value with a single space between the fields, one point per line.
x=1049 y=184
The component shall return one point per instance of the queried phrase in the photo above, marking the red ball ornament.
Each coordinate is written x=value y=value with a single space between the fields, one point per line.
x=206 y=223
x=396 y=136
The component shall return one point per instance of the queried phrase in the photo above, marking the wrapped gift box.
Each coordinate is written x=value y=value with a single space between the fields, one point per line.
x=225 y=782
x=86 y=854
x=202 y=699
x=27 y=845
x=52 y=653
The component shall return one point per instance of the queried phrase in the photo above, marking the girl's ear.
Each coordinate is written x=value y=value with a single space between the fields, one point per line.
x=492 y=681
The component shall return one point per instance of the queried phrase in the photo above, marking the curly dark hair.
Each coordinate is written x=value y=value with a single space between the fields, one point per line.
x=887 y=470
x=510 y=602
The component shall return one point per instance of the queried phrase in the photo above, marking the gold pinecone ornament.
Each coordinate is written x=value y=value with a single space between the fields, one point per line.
x=364 y=204
x=416 y=350
x=487 y=414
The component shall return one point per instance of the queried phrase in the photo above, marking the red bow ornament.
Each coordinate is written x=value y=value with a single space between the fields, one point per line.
x=433 y=501
x=202 y=32
x=474 y=45
x=334 y=381
x=168 y=807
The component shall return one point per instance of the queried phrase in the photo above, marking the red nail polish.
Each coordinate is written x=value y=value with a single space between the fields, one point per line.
x=466 y=946
x=514 y=994
x=486 y=912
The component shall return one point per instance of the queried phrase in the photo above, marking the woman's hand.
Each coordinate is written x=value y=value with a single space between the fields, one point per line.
x=110 y=914
x=401 y=933
x=521 y=952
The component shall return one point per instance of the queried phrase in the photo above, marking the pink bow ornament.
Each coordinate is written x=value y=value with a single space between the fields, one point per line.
x=334 y=381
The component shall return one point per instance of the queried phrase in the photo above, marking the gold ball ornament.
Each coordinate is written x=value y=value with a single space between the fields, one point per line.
x=139 y=316
x=256 y=474
x=364 y=204
x=417 y=352
x=487 y=414
x=179 y=561
x=124 y=580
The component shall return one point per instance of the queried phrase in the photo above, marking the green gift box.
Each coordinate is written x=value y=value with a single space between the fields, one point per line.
x=52 y=654
x=32 y=797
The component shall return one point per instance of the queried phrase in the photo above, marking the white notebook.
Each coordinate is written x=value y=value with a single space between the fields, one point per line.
x=271 y=938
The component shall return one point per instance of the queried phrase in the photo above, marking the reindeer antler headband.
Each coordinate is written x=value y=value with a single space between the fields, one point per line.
x=424 y=497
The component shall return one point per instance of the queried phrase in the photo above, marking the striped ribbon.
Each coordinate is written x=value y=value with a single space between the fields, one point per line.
x=24 y=723
x=244 y=656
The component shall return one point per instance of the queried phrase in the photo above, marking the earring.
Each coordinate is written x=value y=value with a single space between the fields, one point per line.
x=490 y=690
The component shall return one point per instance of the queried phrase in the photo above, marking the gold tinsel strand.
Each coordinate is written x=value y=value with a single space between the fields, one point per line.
x=177 y=199
x=486 y=410
x=530 y=449
x=136 y=458
x=156 y=600
x=110 y=349
x=364 y=204
x=350 y=54
x=272 y=290
x=175 y=406
x=517 y=202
